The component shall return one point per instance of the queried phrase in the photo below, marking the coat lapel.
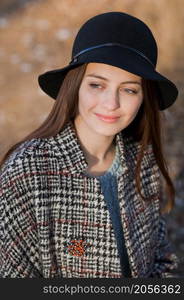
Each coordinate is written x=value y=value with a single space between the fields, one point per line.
x=137 y=215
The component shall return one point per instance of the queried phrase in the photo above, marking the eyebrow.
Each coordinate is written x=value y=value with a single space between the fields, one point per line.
x=103 y=78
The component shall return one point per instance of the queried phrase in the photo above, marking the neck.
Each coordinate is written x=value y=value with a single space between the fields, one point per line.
x=96 y=147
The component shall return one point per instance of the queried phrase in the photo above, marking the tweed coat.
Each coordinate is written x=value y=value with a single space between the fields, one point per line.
x=54 y=221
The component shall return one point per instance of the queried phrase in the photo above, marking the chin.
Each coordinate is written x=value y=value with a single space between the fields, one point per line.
x=108 y=131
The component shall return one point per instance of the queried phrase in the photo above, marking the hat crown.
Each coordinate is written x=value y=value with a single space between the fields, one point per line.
x=120 y=40
x=116 y=27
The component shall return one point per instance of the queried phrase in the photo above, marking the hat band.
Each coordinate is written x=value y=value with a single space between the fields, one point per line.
x=74 y=59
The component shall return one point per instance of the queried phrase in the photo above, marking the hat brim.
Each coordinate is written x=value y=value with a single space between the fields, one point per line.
x=50 y=82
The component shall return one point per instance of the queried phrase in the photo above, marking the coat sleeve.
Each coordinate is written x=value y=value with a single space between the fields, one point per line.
x=166 y=262
x=19 y=253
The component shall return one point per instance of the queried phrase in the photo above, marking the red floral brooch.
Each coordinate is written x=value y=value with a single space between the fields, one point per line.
x=77 y=247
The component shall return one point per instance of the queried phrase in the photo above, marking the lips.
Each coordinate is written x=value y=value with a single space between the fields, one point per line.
x=109 y=119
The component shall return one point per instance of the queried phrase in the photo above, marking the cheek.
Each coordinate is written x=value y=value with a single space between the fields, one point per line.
x=139 y=103
x=86 y=102
x=137 y=106
x=132 y=107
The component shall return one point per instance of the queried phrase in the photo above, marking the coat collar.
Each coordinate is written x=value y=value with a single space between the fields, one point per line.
x=68 y=145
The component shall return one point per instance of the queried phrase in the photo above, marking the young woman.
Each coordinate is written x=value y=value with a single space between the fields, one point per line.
x=81 y=195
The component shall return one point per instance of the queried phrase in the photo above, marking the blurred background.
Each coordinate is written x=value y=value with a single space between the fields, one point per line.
x=37 y=36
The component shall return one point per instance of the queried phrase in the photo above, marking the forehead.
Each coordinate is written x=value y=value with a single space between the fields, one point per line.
x=110 y=72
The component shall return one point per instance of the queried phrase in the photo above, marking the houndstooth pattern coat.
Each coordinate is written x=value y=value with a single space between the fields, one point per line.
x=54 y=221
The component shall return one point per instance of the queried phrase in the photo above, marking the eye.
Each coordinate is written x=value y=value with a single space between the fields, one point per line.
x=130 y=91
x=95 y=85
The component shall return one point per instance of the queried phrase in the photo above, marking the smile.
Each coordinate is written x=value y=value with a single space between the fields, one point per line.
x=108 y=119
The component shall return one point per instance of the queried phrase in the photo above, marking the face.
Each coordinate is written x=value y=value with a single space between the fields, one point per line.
x=109 y=99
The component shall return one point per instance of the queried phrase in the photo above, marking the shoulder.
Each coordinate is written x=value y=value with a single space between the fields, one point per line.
x=134 y=148
x=28 y=157
x=25 y=150
x=148 y=163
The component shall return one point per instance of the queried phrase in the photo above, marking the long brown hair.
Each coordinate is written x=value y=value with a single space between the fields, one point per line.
x=147 y=124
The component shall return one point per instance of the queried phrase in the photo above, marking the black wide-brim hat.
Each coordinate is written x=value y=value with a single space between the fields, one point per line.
x=116 y=39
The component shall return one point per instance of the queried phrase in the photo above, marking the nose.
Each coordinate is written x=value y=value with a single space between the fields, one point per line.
x=111 y=100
